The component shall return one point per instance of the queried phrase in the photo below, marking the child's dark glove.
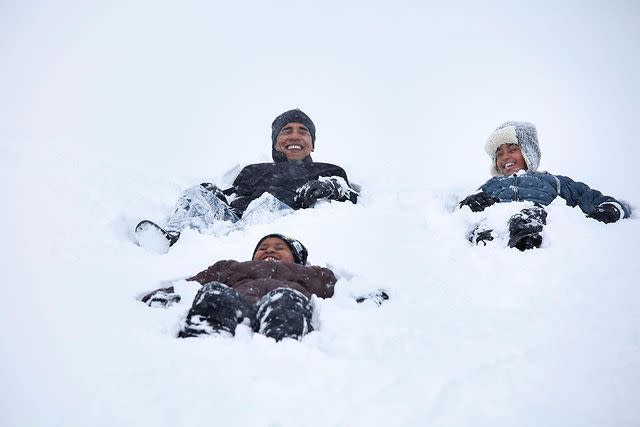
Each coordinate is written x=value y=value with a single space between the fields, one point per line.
x=378 y=297
x=161 y=297
x=606 y=213
x=479 y=201
x=313 y=191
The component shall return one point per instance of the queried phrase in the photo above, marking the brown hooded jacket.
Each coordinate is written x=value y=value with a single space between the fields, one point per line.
x=254 y=279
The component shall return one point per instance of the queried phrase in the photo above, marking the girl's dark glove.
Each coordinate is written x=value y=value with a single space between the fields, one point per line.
x=479 y=201
x=606 y=213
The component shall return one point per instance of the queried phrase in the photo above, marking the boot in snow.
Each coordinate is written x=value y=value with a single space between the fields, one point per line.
x=284 y=313
x=525 y=228
x=528 y=242
x=151 y=236
x=217 y=309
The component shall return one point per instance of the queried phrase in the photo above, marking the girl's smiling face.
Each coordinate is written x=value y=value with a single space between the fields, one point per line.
x=509 y=159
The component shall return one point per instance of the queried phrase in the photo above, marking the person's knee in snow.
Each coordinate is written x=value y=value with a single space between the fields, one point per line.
x=284 y=313
x=525 y=228
x=216 y=308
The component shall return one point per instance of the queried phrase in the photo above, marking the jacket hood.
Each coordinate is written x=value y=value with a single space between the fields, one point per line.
x=524 y=135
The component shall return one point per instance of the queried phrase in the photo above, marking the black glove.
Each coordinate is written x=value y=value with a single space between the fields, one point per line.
x=161 y=297
x=479 y=201
x=378 y=297
x=606 y=213
x=480 y=236
x=313 y=191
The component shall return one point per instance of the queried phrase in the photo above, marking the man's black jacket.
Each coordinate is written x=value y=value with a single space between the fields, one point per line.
x=281 y=179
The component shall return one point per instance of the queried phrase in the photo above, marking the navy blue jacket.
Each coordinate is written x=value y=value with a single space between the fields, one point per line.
x=543 y=188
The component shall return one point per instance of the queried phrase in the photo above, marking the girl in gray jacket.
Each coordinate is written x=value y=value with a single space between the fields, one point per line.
x=515 y=155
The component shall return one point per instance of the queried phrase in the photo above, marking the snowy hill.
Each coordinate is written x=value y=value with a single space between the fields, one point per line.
x=108 y=113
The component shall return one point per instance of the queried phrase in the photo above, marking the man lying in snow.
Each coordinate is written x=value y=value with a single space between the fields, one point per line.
x=271 y=291
x=293 y=181
x=515 y=155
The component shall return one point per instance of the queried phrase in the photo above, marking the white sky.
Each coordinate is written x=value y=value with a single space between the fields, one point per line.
x=418 y=84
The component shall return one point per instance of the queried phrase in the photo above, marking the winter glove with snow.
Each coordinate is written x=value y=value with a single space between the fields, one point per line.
x=315 y=190
x=161 y=297
x=606 y=213
x=378 y=297
x=479 y=201
x=480 y=236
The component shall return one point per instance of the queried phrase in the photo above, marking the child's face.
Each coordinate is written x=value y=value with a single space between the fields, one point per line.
x=509 y=159
x=273 y=249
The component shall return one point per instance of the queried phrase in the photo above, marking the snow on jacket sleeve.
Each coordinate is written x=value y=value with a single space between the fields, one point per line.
x=580 y=194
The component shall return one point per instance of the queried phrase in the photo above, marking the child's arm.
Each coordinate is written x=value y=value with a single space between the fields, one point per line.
x=480 y=200
x=577 y=193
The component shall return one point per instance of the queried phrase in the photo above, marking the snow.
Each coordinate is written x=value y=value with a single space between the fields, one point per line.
x=109 y=112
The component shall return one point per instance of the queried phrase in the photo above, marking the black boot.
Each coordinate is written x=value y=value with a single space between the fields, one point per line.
x=525 y=228
x=284 y=313
x=151 y=236
x=529 y=242
x=217 y=308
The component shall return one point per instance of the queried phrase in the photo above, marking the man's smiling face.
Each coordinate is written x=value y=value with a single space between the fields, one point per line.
x=294 y=140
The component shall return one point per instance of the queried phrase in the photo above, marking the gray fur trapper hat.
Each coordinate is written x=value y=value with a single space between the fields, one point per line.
x=524 y=135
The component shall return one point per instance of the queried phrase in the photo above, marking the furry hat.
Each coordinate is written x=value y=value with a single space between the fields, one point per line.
x=291 y=116
x=522 y=134
x=298 y=250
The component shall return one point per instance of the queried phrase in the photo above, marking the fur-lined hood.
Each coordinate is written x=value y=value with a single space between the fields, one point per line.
x=522 y=134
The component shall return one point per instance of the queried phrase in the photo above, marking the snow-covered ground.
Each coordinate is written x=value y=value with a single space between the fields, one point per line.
x=108 y=112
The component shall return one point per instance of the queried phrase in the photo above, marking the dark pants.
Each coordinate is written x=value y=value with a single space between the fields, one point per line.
x=282 y=313
x=525 y=228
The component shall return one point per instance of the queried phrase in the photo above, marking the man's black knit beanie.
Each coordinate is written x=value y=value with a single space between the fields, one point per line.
x=292 y=116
